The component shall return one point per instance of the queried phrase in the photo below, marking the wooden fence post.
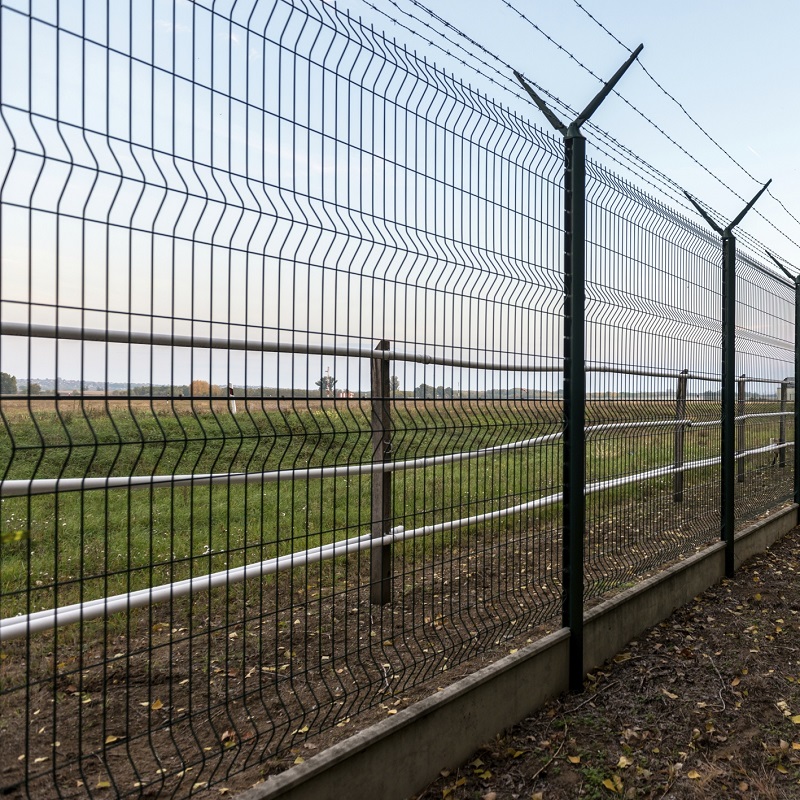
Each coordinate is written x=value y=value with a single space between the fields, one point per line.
x=381 y=423
x=741 y=443
x=680 y=432
x=782 y=425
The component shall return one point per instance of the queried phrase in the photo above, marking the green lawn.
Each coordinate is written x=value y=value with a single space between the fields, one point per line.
x=84 y=545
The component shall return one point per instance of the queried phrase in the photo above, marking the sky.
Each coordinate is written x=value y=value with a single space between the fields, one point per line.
x=154 y=196
x=732 y=64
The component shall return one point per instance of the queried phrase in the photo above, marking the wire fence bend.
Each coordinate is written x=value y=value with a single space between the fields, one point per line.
x=282 y=343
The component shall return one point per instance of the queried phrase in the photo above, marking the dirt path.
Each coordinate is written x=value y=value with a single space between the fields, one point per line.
x=706 y=704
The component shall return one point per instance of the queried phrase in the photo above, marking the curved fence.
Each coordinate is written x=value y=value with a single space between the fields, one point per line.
x=282 y=343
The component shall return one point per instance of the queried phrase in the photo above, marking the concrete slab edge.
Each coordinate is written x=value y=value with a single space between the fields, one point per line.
x=399 y=755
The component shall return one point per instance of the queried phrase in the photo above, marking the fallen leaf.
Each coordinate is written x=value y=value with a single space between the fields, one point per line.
x=299 y=760
x=620 y=657
x=574 y=759
x=111 y=739
x=795 y=719
x=613 y=784
x=157 y=704
x=6 y=537
x=103 y=785
x=668 y=694
x=693 y=774
x=623 y=762
x=735 y=682
x=782 y=769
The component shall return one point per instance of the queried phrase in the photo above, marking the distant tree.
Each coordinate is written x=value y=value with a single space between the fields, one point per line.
x=8 y=383
x=326 y=384
x=394 y=384
x=34 y=388
x=200 y=389
x=424 y=390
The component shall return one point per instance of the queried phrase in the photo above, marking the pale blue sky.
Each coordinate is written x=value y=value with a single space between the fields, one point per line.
x=733 y=64
x=214 y=249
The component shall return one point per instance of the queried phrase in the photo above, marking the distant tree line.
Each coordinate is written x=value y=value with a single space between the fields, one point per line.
x=8 y=383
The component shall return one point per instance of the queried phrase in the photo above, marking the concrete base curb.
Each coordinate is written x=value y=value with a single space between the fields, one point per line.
x=400 y=755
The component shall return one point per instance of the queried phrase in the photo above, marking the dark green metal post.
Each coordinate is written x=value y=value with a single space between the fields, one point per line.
x=728 y=470
x=728 y=476
x=574 y=396
x=796 y=386
x=574 y=441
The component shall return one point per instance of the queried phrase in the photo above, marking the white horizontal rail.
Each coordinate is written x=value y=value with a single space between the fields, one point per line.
x=21 y=488
x=39 y=621
x=38 y=486
x=151 y=338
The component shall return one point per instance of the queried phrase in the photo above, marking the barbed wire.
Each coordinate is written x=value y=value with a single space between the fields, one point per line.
x=611 y=139
x=622 y=97
x=505 y=82
x=694 y=122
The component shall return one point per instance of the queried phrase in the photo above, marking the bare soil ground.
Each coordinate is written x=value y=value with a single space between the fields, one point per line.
x=703 y=705
x=159 y=710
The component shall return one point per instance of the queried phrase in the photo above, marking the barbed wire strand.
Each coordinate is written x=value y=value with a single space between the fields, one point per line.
x=686 y=112
x=450 y=26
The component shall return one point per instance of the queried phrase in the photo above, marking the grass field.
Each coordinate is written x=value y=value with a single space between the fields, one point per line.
x=141 y=698
x=59 y=548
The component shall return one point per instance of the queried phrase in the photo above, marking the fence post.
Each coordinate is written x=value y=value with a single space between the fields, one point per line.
x=381 y=424
x=795 y=279
x=680 y=432
x=782 y=424
x=795 y=389
x=574 y=505
x=728 y=465
x=741 y=441
x=574 y=436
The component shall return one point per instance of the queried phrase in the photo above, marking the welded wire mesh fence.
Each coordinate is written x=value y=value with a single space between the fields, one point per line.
x=281 y=309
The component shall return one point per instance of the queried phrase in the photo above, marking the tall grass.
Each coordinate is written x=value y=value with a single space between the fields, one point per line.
x=84 y=545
